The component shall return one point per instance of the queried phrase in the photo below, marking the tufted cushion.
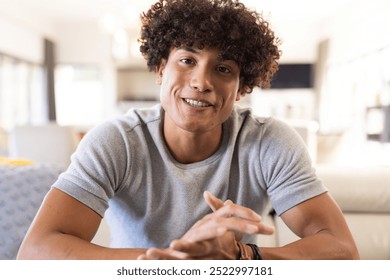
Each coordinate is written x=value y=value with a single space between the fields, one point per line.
x=22 y=190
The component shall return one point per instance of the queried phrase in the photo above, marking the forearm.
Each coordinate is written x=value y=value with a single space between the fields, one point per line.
x=318 y=246
x=60 y=246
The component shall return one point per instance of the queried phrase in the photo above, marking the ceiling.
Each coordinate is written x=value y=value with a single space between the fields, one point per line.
x=95 y=10
x=287 y=17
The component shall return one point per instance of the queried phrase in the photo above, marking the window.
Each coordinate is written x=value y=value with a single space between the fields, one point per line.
x=79 y=95
x=22 y=97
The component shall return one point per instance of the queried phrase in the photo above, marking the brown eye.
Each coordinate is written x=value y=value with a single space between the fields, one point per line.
x=187 y=61
x=223 y=69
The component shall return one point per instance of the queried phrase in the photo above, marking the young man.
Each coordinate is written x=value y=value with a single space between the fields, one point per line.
x=148 y=171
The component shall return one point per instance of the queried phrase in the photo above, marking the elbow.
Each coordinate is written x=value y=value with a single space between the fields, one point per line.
x=26 y=251
x=32 y=248
x=348 y=251
x=23 y=253
x=353 y=253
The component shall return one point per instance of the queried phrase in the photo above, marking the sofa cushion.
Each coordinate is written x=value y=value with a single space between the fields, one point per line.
x=371 y=233
x=22 y=190
x=358 y=189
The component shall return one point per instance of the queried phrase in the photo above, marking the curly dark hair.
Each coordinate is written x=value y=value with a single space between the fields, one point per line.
x=240 y=34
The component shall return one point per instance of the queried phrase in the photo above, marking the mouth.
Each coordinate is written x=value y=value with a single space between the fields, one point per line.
x=196 y=103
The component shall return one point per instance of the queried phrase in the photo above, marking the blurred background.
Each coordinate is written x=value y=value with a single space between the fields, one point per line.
x=67 y=65
x=74 y=64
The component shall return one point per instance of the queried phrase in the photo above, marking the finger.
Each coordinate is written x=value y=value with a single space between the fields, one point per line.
x=264 y=228
x=194 y=249
x=216 y=204
x=232 y=209
x=163 y=254
x=227 y=202
x=217 y=226
x=142 y=257
x=204 y=232
x=156 y=254
x=213 y=202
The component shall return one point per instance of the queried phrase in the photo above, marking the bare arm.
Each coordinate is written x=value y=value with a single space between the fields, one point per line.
x=63 y=229
x=323 y=231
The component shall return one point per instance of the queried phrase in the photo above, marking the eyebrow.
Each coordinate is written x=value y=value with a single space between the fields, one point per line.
x=190 y=49
x=196 y=51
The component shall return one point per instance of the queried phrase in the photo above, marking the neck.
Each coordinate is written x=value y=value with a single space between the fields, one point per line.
x=189 y=147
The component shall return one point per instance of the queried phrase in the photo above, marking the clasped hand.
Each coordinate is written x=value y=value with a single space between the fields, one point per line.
x=215 y=236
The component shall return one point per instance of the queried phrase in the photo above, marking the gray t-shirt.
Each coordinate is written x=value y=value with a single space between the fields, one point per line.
x=124 y=166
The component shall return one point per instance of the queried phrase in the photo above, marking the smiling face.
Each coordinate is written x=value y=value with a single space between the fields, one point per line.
x=198 y=89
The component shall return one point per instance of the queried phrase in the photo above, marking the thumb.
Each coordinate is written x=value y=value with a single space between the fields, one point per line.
x=213 y=202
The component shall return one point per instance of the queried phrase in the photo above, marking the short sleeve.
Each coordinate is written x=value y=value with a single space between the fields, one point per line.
x=98 y=167
x=286 y=167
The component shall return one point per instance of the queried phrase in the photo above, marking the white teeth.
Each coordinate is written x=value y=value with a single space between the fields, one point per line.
x=196 y=103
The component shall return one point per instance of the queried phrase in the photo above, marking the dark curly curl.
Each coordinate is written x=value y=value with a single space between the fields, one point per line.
x=240 y=34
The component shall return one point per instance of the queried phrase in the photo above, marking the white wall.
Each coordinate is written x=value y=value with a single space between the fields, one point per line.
x=19 y=41
x=22 y=32
x=82 y=43
x=357 y=35
x=358 y=30
x=22 y=36
x=299 y=40
x=87 y=44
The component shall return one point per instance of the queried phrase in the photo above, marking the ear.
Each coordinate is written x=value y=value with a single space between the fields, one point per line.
x=160 y=71
x=240 y=90
x=238 y=96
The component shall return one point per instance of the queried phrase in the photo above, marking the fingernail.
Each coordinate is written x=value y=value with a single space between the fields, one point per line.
x=228 y=202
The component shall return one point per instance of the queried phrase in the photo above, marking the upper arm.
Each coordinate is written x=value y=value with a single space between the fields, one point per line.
x=286 y=168
x=318 y=214
x=61 y=213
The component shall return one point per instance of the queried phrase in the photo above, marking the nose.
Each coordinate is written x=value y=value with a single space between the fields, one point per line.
x=201 y=79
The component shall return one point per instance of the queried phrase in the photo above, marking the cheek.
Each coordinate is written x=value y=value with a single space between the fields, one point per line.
x=231 y=89
x=164 y=96
x=233 y=96
x=171 y=85
x=164 y=88
x=167 y=92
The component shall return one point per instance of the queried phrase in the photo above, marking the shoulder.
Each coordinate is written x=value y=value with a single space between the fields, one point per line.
x=142 y=116
x=138 y=117
x=269 y=128
x=117 y=137
x=280 y=132
x=120 y=126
